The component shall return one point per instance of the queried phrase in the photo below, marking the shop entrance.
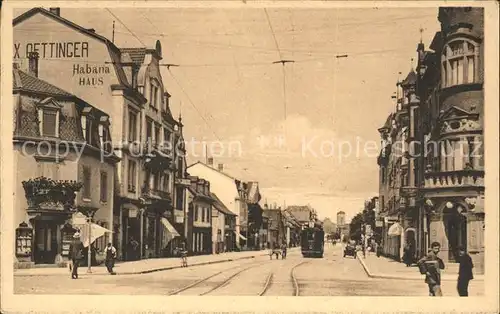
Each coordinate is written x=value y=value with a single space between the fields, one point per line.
x=46 y=245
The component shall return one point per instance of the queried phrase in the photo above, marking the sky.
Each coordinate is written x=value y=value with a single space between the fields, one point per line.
x=286 y=126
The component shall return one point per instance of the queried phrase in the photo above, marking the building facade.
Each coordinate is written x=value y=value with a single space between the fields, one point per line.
x=200 y=203
x=441 y=186
x=223 y=224
x=452 y=105
x=231 y=193
x=64 y=163
x=126 y=83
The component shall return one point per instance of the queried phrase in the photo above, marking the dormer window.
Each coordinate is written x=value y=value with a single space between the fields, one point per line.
x=459 y=63
x=49 y=112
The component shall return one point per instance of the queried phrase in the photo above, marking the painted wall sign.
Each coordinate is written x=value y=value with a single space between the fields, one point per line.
x=52 y=50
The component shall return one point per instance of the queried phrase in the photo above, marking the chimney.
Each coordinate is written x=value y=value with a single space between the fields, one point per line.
x=33 y=63
x=210 y=161
x=221 y=167
x=56 y=11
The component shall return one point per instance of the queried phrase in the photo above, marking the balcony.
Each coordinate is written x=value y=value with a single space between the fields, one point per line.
x=46 y=194
x=153 y=194
x=454 y=179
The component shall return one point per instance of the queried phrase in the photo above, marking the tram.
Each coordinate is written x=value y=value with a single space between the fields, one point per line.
x=312 y=240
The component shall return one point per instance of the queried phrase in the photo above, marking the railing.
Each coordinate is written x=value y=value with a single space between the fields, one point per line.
x=463 y=178
x=157 y=194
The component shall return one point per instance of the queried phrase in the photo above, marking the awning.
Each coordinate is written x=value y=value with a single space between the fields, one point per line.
x=170 y=231
x=395 y=230
x=95 y=233
x=239 y=235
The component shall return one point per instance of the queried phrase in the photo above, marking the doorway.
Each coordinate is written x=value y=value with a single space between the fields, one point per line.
x=457 y=233
x=46 y=245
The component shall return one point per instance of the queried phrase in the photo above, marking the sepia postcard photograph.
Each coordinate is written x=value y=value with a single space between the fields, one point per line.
x=260 y=152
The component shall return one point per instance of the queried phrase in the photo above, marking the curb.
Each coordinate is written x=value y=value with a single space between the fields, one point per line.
x=146 y=271
x=384 y=276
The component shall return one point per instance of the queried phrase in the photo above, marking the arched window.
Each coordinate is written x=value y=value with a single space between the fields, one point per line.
x=459 y=63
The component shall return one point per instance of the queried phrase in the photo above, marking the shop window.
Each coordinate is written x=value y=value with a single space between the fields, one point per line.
x=459 y=63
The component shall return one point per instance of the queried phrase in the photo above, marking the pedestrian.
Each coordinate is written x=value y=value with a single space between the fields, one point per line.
x=407 y=258
x=431 y=266
x=464 y=272
x=283 y=250
x=110 y=258
x=76 y=254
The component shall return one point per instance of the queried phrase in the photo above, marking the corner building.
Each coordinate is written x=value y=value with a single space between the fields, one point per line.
x=450 y=87
x=116 y=81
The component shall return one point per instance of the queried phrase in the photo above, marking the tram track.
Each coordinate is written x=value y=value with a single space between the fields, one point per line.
x=221 y=284
x=270 y=276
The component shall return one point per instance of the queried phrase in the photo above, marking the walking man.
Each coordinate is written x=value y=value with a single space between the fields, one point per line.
x=464 y=272
x=110 y=258
x=431 y=266
x=76 y=254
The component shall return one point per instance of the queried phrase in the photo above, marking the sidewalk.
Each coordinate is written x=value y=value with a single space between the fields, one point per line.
x=148 y=265
x=383 y=267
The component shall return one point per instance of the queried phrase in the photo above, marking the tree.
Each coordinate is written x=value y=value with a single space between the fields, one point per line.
x=356 y=226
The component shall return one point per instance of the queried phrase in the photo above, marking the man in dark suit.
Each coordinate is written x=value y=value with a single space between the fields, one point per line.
x=76 y=255
x=464 y=272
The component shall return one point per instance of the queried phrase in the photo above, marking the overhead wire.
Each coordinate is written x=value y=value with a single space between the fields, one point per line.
x=128 y=29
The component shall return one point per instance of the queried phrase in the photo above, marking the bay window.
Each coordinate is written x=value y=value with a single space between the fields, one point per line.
x=459 y=60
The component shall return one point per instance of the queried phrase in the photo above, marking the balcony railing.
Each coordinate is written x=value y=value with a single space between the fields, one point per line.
x=155 y=194
x=452 y=179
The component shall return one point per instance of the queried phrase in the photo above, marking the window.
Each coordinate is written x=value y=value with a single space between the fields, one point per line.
x=157 y=134
x=202 y=214
x=197 y=208
x=166 y=179
x=166 y=135
x=104 y=187
x=86 y=193
x=49 y=123
x=458 y=63
x=131 y=175
x=132 y=126
x=179 y=198
x=149 y=131
x=153 y=94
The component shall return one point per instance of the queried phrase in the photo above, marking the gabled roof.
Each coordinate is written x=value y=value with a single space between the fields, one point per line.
x=220 y=206
x=114 y=51
x=212 y=168
x=254 y=196
x=455 y=112
x=28 y=83
x=410 y=79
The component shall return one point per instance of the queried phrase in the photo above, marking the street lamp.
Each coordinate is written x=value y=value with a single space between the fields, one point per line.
x=89 y=213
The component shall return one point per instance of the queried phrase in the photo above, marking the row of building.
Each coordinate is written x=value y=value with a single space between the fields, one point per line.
x=432 y=160
x=95 y=143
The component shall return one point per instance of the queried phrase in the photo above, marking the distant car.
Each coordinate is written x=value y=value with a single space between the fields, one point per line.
x=350 y=250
